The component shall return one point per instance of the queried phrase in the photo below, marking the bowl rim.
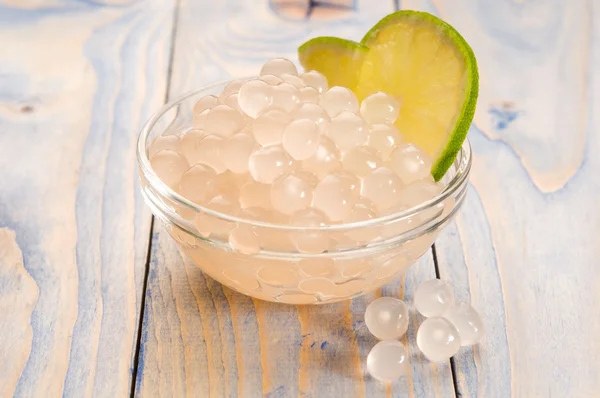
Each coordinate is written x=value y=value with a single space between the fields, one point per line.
x=457 y=181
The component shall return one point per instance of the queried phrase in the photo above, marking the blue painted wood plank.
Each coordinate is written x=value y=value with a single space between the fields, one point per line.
x=71 y=102
x=524 y=247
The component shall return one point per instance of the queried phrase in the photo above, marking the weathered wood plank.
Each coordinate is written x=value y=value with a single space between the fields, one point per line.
x=77 y=80
x=524 y=249
x=244 y=347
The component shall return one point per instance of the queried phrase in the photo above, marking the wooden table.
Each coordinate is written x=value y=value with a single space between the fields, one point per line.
x=90 y=306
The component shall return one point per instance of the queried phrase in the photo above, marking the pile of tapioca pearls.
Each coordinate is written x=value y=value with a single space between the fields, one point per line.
x=449 y=325
x=288 y=149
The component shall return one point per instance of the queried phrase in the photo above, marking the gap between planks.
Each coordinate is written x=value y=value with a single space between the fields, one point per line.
x=138 y=339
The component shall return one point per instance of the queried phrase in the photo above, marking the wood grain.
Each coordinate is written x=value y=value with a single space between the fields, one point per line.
x=77 y=79
x=524 y=249
x=244 y=347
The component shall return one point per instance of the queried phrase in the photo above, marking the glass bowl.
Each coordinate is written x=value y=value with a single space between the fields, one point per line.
x=356 y=258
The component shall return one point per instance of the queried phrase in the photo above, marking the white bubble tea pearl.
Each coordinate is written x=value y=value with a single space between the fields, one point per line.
x=164 y=142
x=467 y=321
x=315 y=80
x=208 y=152
x=244 y=239
x=384 y=138
x=223 y=120
x=380 y=108
x=387 y=360
x=266 y=164
x=286 y=96
x=204 y=103
x=301 y=138
x=410 y=163
x=361 y=160
x=387 y=318
x=382 y=187
x=169 y=166
x=268 y=126
x=338 y=99
x=438 y=339
x=236 y=152
x=293 y=192
x=309 y=241
x=433 y=297
x=233 y=87
x=198 y=184
x=315 y=113
x=333 y=197
x=348 y=130
x=325 y=159
x=278 y=67
x=254 y=97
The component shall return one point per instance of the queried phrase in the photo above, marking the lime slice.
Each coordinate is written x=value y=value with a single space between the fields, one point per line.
x=429 y=68
x=338 y=59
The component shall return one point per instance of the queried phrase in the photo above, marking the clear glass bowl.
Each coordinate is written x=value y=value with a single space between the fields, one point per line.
x=360 y=257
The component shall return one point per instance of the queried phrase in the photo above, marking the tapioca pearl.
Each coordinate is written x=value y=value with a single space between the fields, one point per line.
x=254 y=97
x=352 y=182
x=319 y=266
x=233 y=102
x=333 y=197
x=467 y=321
x=315 y=80
x=438 y=339
x=380 y=108
x=355 y=268
x=433 y=297
x=271 y=80
x=410 y=163
x=387 y=318
x=337 y=100
x=382 y=186
x=169 y=166
x=233 y=87
x=309 y=240
x=242 y=279
x=269 y=125
x=278 y=67
x=350 y=288
x=384 y=138
x=204 y=103
x=315 y=113
x=188 y=144
x=223 y=121
x=387 y=360
x=208 y=152
x=244 y=239
x=294 y=80
x=393 y=266
x=278 y=275
x=361 y=160
x=286 y=96
x=266 y=164
x=164 y=142
x=198 y=184
x=255 y=194
x=236 y=152
x=419 y=191
x=362 y=212
x=301 y=139
x=293 y=192
x=199 y=119
x=310 y=95
x=325 y=160
x=348 y=130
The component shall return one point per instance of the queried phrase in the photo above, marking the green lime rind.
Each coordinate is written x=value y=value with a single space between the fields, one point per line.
x=338 y=59
x=467 y=111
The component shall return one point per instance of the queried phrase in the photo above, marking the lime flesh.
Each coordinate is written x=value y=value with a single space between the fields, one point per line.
x=425 y=64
